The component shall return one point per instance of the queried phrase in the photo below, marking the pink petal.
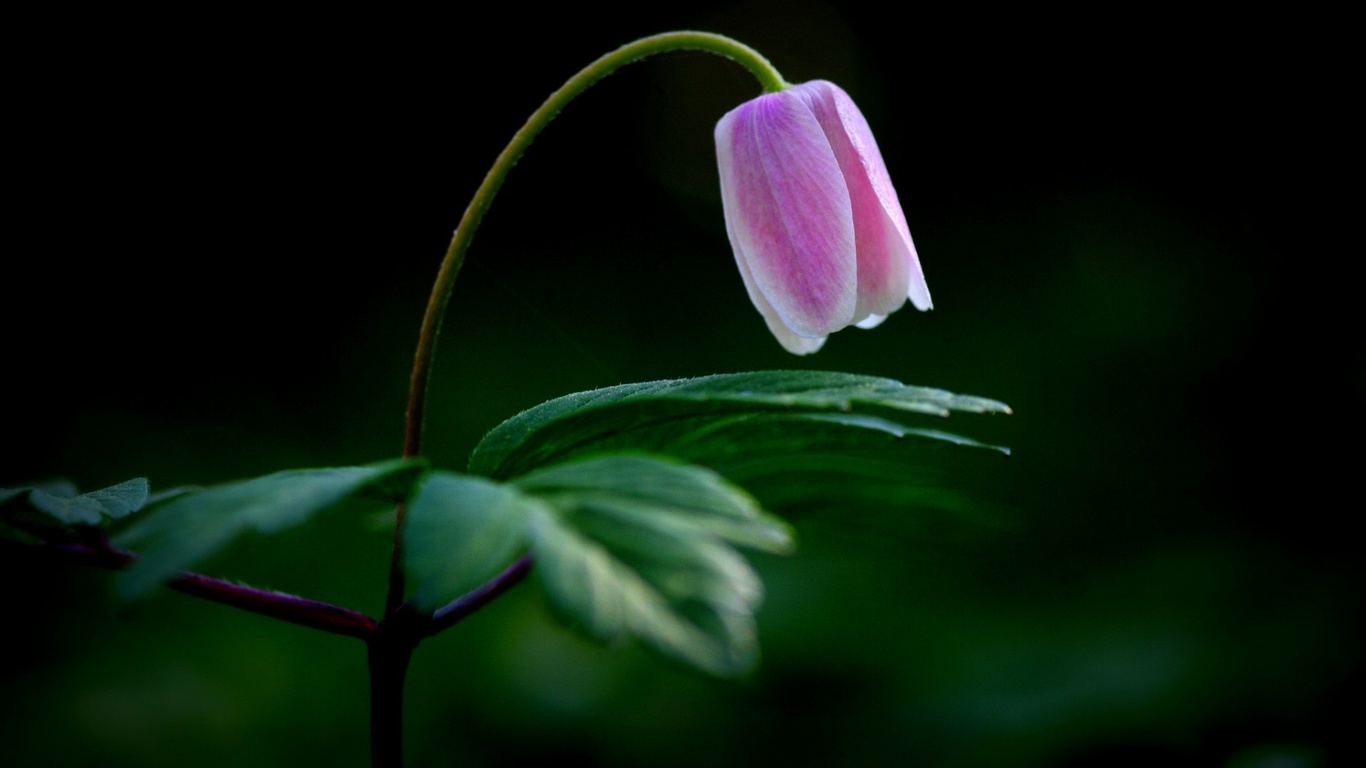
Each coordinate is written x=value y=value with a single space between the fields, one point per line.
x=797 y=345
x=789 y=218
x=888 y=267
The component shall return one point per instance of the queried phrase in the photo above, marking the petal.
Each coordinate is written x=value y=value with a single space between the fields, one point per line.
x=788 y=215
x=871 y=321
x=888 y=268
x=797 y=345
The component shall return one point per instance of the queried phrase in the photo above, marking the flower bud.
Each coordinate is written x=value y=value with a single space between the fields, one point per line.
x=818 y=233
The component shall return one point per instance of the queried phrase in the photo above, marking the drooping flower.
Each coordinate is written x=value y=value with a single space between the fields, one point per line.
x=817 y=230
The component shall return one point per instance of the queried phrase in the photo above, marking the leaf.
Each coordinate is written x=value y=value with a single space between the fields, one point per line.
x=686 y=593
x=193 y=524
x=161 y=497
x=641 y=546
x=643 y=486
x=459 y=531
x=61 y=501
x=94 y=507
x=52 y=509
x=12 y=493
x=628 y=543
x=624 y=545
x=662 y=415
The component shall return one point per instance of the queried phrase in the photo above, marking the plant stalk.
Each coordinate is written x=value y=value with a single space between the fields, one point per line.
x=768 y=77
x=388 y=652
x=391 y=646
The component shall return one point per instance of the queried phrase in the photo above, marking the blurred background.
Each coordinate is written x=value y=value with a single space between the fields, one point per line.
x=224 y=225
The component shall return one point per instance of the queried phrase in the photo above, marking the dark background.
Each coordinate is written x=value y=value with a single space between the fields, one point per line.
x=223 y=226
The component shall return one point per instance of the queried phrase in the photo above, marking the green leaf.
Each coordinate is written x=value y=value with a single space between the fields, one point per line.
x=61 y=501
x=639 y=486
x=161 y=497
x=13 y=493
x=664 y=416
x=51 y=510
x=193 y=524
x=94 y=507
x=641 y=546
x=459 y=531
x=684 y=592
x=624 y=545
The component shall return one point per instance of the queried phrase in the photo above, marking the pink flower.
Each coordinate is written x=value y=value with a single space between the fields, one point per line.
x=816 y=227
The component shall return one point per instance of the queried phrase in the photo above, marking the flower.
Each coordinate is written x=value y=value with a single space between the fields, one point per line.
x=817 y=230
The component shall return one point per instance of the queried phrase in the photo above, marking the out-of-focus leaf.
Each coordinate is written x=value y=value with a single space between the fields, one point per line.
x=94 y=507
x=626 y=553
x=54 y=511
x=640 y=546
x=624 y=545
x=687 y=594
x=795 y=462
x=643 y=486
x=193 y=525
x=12 y=493
x=161 y=497
x=459 y=531
x=61 y=502
x=675 y=416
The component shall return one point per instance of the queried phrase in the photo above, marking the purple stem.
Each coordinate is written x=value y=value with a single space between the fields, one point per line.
x=451 y=613
x=389 y=643
x=296 y=610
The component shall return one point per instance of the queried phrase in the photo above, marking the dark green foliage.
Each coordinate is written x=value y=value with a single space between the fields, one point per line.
x=680 y=416
x=191 y=525
x=460 y=531
x=793 y=439
x=633 y=500
x=627 y=540
x=50 y=512
x=625 y=546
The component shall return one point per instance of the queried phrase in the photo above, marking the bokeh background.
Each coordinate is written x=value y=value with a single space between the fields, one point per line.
x=224 y=225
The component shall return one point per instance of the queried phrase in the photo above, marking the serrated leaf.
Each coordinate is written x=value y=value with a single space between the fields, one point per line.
x=641 y=546
x=459 y=531
x=732 y=442
x=657 y=415
x=687 y=594
x=624 y=545
x=192 y=525
x=51 y=509
x=851 y=465
x=641 y=486
x=94 y=507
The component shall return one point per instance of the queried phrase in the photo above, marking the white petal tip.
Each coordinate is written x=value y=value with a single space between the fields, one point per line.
x=799 y=345
x=919 y=294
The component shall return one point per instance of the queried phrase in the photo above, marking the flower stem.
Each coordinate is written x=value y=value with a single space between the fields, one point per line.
x=455 y=254
x=768 y=78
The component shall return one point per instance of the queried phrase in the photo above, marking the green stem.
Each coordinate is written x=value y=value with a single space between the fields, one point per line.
x=768 y=78
x=455 y=254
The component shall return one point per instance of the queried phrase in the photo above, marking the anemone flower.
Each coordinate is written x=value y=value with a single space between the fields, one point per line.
x=817 y=230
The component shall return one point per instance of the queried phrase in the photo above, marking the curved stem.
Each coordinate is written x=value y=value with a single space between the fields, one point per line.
x=768 y=78
x=455 y=254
